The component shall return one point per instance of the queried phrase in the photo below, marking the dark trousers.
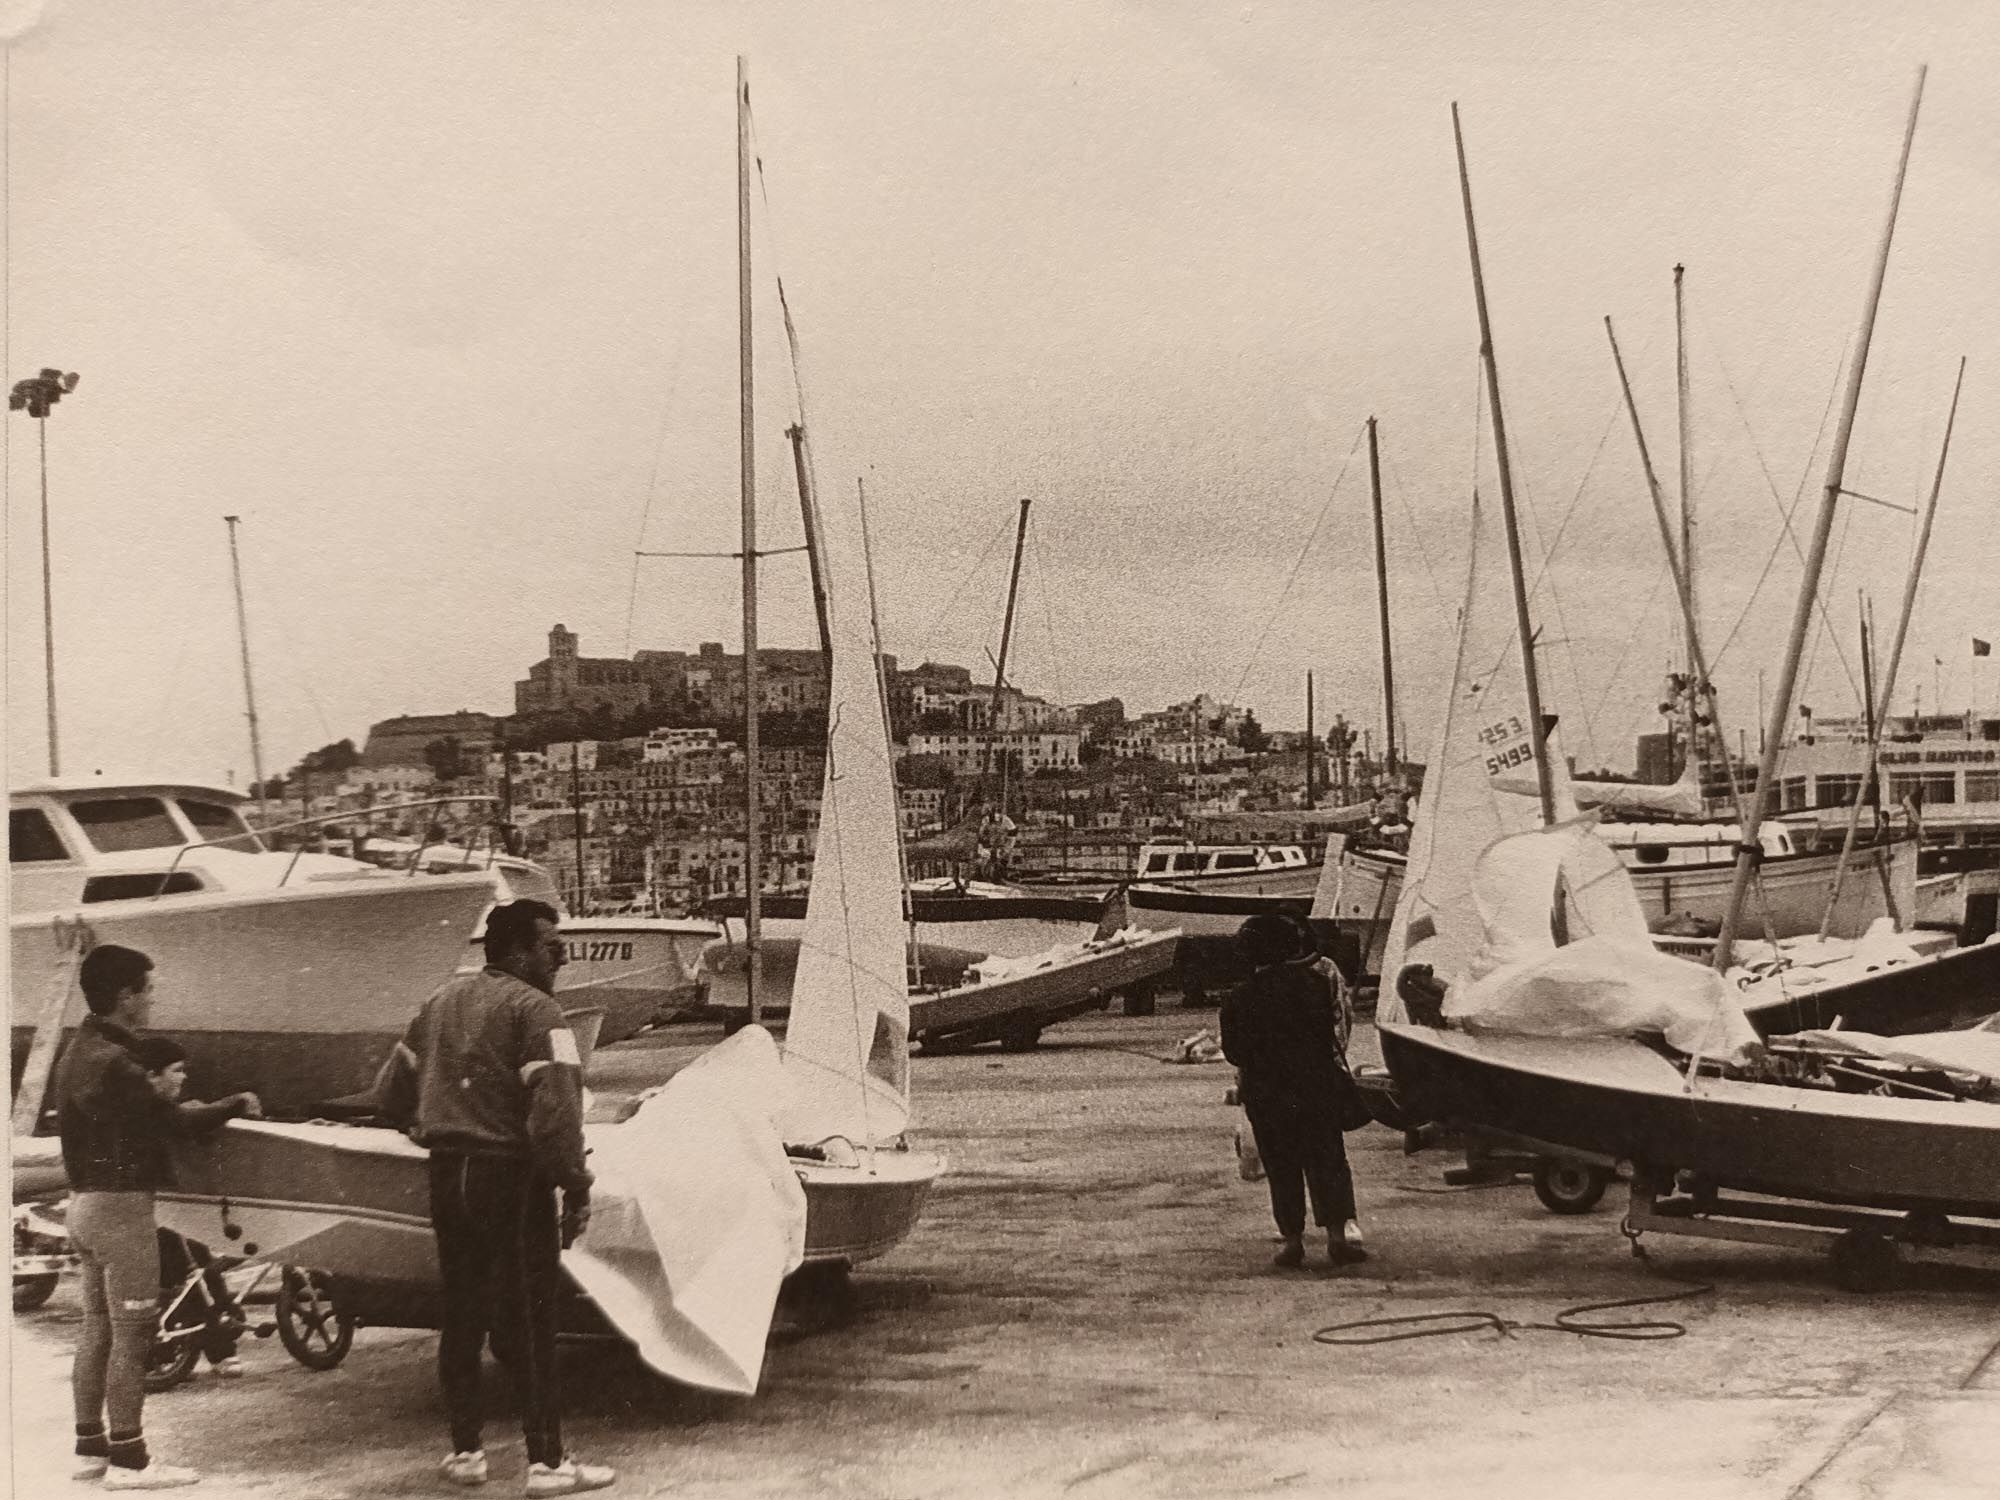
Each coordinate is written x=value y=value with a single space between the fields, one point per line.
x=499 y=1255
x=1302 y=1153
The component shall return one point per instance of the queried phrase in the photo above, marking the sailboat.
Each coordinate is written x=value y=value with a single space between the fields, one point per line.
x=740 y=1169
x=1528 y=1005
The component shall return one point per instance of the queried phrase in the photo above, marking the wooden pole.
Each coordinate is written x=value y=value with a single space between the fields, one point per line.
x=1537 y=734
x=249 y=689
x=1878 y=720
x=1781 y=705
x=753 y=867
x=1382 y=602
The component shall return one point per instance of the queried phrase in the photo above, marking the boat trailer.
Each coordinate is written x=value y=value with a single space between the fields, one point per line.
x=1865 y=1244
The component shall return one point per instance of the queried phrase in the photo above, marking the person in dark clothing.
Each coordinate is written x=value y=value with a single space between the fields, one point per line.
x=1281 y=1031
x=165 y=1062
x=117 y=1129
x=489 y=1079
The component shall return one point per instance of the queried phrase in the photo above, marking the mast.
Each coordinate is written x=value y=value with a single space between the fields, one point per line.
x=1382 y=590
x=1311 y=740
x=753 y=869
x=1007 y=626
x=1781 y=706
x=808 y=510
x=249 y=691
x=1537 y=728
x=576 y=814
x=1691 y=606
x=888 y=727
x=1678 y=565
x=1000 y=666
x=1878 y=720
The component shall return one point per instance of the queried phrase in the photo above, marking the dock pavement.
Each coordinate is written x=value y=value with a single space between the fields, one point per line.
x=1088 y=1310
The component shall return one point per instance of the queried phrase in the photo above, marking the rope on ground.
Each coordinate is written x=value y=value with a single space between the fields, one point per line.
x=1580 y=1320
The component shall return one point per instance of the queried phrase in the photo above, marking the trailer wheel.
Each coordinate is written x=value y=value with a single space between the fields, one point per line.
x=312 y=1326
x=1569 y=1187
x=30 y=1292
x=1864 y=1261
x=1020 y=1039
x=1141 y=999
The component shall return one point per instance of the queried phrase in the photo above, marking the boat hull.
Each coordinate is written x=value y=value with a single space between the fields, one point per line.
x=1017 y=1008
x=640 y=970
x=297 y=992
x=1943 y=993
x=1618 y=1099
x=726 y=992
x=354 y=1201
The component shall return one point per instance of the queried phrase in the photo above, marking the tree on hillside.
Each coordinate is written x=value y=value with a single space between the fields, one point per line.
x=1250 y=735
x=924 y=771
x=447 y=759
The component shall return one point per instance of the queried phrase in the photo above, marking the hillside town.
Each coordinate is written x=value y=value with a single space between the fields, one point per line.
x=625 y=776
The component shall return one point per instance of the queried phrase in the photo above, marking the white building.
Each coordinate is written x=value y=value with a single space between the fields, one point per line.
x=983 y=754
x=671 y=744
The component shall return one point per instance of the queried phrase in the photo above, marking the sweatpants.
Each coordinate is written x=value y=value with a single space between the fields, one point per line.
x=1301 y=1156
x=499 y=1255
x=119 y=1261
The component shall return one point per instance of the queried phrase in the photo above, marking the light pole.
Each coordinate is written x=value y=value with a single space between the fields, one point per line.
x=36 y=395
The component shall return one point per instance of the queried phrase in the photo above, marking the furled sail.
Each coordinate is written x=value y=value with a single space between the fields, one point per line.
x=1481 y=752
x=847 y=1044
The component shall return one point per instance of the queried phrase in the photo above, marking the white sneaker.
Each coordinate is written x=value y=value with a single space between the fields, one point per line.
x=465 y=1468
x=1350 y=1234
x=90 y=1468
x=568 y=1477
x=230 y=1368
x=155 y=1476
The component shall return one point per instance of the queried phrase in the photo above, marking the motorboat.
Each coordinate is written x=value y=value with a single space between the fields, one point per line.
x=288 y=973
x=640 y=970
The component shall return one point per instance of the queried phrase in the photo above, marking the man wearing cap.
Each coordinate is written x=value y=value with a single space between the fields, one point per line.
x=489 y=1078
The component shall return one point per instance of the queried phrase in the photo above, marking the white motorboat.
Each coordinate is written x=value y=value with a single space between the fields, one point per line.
x=288 y=973
x=639 y=970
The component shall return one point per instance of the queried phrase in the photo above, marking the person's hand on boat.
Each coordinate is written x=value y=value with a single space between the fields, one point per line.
x=575 y=1216
x=252 y=1106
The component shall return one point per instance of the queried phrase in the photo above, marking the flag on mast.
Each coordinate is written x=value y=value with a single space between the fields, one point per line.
x=1981 y=648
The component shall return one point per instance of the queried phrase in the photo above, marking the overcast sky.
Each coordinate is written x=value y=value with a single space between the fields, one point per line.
x=440 y=298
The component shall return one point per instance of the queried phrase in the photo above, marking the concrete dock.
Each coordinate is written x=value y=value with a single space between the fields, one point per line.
x=1088 y=1310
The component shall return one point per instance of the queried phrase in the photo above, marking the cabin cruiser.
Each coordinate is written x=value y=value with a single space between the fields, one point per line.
x=290 y=973
x=638 y=970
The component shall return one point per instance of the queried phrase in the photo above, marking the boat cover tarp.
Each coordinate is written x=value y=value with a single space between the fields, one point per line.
x=1608 y=979
x=697 y=1217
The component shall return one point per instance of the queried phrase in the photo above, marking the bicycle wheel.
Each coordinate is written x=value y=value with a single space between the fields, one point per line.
x=170 y=1360
x=311 y=1323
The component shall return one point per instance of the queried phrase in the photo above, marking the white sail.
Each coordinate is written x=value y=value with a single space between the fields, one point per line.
x=1481 y=751
x=847 y=1045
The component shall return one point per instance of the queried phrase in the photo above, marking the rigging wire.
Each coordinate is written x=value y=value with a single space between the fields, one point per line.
x=1271 y=618
x=931 y=630
x=1048 y=608
x=652 y=487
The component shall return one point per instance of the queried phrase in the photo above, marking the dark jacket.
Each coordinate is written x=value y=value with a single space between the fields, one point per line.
x=1281 y=1031
x=490 y=1068
x=116 y=1129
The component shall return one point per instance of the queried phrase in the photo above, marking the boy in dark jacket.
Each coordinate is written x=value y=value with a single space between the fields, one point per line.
x=1281 y=1030
x=116 y=1130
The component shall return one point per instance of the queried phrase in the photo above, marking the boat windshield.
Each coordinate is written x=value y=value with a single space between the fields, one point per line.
x=116 y=824
x=31 y=838
x=220 y=824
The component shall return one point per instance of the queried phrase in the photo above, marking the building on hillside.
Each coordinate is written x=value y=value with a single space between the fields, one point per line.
x=1095 y=721
x=983 y=754
x=402 y=741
